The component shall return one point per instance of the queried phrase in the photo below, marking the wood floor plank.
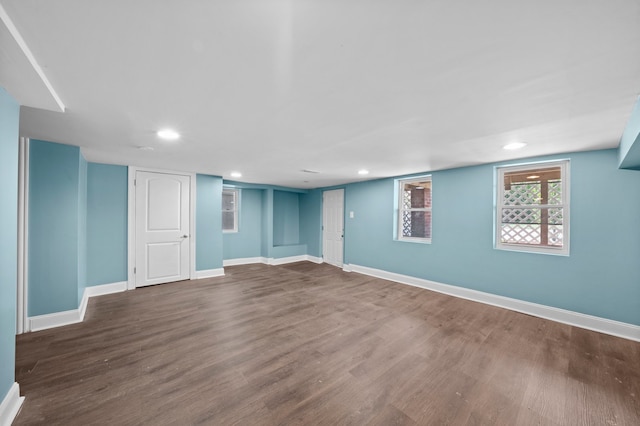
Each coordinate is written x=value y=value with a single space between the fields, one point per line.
x=311 y=344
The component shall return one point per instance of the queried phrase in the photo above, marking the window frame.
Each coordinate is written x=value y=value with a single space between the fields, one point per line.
x=399 y=209
x=499 y=205
x=236 y=210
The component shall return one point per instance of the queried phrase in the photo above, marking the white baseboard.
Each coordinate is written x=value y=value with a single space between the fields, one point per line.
x=73 y=316
x=272 y=261
x=210 y=273
x=101 y=290
x=10 y=405
x=589 y=322
x=285 y=260
x=244 y=261
x=56 y=319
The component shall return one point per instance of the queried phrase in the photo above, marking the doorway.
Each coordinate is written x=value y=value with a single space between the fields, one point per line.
x=333 y=227
x=162 y=228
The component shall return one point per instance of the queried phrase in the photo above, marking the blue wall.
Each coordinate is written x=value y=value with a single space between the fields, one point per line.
x=311 y=221
x=82 y=226
x=601 y=276
x=54 y=179
x=9 y=119
x=208 y=222
x=271 y=222
x=78 y=226
x=247 y=241
x=286 y=218
x=281 y=223
x=266 y=243
x=106 y=224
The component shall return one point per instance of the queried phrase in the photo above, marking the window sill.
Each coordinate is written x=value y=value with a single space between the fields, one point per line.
x=533 y=249
x=414 y=240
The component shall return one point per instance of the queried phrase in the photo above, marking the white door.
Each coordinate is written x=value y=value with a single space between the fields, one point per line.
x=162 y=228
x=333 y=226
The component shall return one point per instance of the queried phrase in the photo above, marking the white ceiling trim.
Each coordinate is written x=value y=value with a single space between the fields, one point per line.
x=32 y=60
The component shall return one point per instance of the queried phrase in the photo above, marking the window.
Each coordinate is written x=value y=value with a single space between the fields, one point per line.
x=414 y=209
x=533 y=207
x=230 y=206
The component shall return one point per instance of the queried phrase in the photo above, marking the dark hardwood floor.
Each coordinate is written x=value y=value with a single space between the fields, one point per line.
x=306 y=344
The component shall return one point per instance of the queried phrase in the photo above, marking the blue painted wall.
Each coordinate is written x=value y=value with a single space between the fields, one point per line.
x=9 y=120
x=106 y=224
x=601 y=276
x=82 y=226
x=281 y=223
x=54 y=180
x=311 y=221
x=266 y=243
x=247 y=241
x=286 y=218
x=208 y=222
x=629 y=155
x=272 y=222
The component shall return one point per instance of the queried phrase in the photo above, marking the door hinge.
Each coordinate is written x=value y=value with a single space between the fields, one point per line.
x=134 y=269
x=135 y=182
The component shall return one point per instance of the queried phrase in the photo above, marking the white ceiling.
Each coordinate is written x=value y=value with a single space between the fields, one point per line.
x=270 y=87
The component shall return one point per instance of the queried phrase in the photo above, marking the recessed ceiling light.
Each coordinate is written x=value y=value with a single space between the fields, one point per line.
x=363 y=172
x=236 y=174
x=168 y=134
x=514 y=145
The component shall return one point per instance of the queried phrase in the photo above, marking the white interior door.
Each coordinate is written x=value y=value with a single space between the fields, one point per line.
x=162 y=228
x=333 y=226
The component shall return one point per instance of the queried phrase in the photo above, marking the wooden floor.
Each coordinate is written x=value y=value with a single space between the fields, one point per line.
x=309 y=344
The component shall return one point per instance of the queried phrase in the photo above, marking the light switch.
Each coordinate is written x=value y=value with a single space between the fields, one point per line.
x=351 y=215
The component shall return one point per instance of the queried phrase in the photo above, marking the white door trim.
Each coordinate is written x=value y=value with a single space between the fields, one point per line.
x=22 y=322
x=131 y=221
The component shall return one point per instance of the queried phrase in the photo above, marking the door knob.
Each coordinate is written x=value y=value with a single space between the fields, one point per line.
x=185 y=236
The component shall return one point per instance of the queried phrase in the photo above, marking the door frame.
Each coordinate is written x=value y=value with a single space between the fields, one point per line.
x=343 y=222
x=131 y=221
x=22 y=294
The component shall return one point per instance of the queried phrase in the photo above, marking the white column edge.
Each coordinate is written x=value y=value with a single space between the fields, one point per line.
x=10 y=405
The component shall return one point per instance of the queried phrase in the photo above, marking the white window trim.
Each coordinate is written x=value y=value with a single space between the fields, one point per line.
x=499 y=205
x=399 y=188
x=236 y=210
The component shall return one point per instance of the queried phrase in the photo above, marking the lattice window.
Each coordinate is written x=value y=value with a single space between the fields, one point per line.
x=532 y=205
x=555 y=192
x=230 y=208
x=414 y=209
x=406 y=213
